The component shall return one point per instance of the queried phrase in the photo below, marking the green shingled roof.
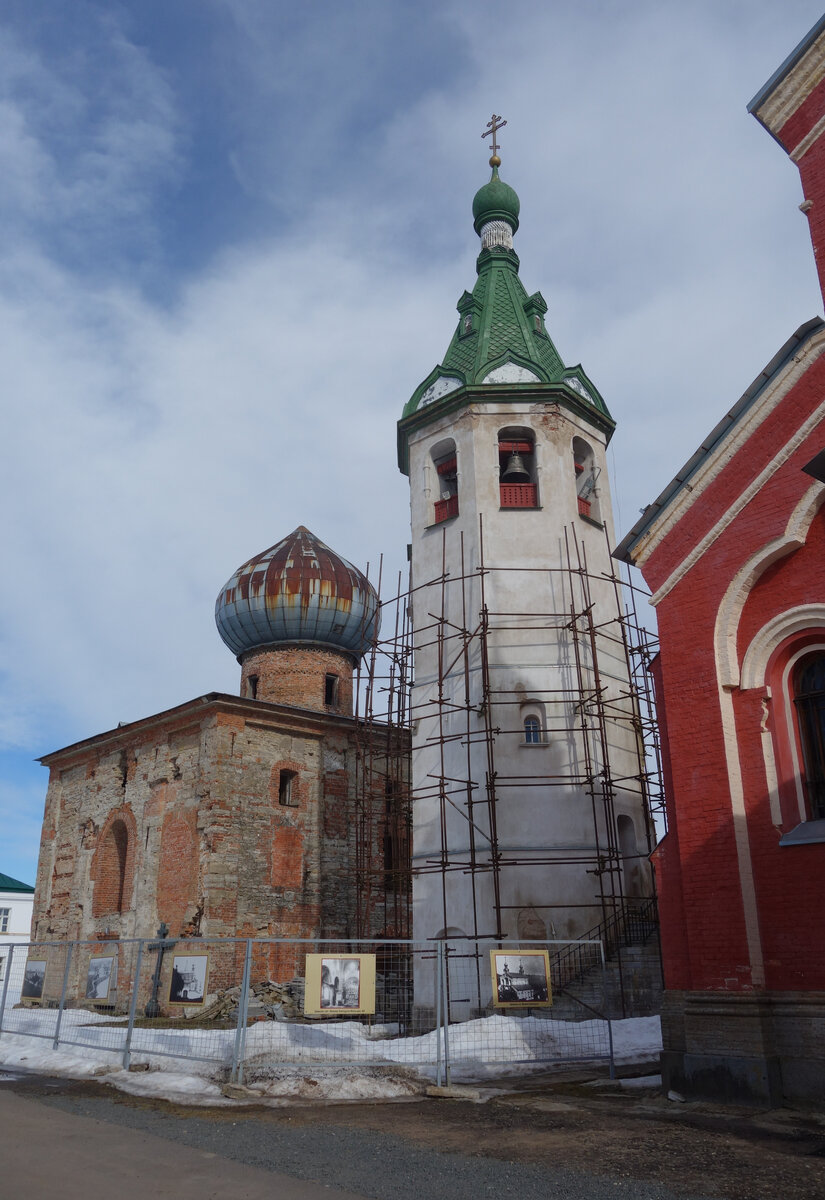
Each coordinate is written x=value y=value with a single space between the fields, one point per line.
x=7 y=884
x=500 y=324
x=503 y=320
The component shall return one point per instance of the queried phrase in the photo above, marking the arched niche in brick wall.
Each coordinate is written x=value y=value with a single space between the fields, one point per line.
x=113 y=864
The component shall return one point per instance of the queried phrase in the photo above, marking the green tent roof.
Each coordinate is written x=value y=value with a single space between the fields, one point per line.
x=7 y=884
x=501 y=347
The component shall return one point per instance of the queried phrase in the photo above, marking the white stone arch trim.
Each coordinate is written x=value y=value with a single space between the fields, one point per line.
x=771 y=636
x=743 y=582
x=727 y=677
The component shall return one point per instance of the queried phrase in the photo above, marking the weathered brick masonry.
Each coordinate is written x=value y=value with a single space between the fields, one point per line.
x=204 y=844
x=265 y=815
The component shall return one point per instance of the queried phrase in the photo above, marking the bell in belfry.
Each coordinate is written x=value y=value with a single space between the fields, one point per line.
x=516 y=472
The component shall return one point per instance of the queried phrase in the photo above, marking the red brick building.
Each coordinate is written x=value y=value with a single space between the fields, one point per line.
x=276 y=813
x=734 y=553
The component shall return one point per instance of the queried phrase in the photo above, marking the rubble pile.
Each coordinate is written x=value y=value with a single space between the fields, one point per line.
x=267 y=1000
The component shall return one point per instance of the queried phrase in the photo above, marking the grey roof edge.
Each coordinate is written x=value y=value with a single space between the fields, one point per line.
x=803 y=334
x=787 y=66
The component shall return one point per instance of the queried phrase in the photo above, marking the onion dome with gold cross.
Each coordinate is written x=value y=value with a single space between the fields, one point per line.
x=298 y=592
x=501 y=349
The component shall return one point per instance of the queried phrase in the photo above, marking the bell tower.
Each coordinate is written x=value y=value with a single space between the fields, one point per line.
x=529 y=819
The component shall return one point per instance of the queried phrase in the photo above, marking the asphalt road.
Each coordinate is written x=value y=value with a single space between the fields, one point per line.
x=67 y=1141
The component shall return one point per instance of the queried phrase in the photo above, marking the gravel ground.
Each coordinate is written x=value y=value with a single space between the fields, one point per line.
x=375 y=1164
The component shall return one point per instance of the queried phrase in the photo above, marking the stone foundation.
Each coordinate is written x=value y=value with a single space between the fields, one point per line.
x=747 y=1048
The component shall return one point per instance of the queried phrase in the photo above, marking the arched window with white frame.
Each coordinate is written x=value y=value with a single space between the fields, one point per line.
x=532 y=731
x=533 y=723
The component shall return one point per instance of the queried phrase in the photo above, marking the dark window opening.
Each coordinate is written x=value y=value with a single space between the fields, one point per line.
x=252 y=685
x=287 y=789
x=331 y=690
x=517 y=472
x=809 y=698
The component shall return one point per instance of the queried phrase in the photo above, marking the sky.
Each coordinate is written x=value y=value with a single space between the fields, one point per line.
x=232 y=237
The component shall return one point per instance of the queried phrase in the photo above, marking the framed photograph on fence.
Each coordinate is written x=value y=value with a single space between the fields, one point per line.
x=521 y=978
x=101 y=977
x=34 y=977
x=189 y=975
x=339 y=984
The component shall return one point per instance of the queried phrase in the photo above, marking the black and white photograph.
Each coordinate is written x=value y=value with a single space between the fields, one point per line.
x=189 y=972
x=520 y=978
x=34 y=977
x=101 y=977
x=344 y=984
x=340 y=982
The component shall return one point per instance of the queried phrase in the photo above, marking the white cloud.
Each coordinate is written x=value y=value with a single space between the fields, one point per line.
x=152 y=445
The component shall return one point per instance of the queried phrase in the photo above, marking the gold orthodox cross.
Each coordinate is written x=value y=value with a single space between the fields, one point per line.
x=493 y=128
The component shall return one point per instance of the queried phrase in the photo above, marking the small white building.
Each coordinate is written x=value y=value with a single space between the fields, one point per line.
x=16 y=903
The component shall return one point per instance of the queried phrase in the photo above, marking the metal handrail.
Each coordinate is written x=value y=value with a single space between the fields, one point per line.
x=635 y=922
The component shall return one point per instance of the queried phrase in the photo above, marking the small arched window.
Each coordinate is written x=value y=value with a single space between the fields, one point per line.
x=287 y=789
x=532 y=731
x=809 y=699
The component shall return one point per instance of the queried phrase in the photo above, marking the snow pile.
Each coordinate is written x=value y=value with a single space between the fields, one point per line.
x=325 y=1060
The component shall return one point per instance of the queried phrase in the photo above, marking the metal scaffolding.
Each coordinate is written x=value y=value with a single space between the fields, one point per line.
x=594 y=702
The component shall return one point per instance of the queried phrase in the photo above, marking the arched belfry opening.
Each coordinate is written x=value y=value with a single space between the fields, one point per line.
x=518 y=483
x=445 y=467
x=586 y=475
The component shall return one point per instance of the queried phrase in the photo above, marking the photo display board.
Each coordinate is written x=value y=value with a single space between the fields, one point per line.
x=189 y=975
x=339 y=984
x=521 y=978
x=34 y=977
x=101 y=977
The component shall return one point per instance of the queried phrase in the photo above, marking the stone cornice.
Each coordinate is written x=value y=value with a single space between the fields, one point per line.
x=254 y=712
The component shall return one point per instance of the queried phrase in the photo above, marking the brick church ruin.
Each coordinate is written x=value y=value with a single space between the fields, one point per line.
x=241 y=816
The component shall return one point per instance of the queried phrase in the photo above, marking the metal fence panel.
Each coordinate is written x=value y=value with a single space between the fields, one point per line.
x=523 y=1024
x=247 y=1008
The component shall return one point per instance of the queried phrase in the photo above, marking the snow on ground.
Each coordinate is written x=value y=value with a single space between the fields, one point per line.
x=324 y=1060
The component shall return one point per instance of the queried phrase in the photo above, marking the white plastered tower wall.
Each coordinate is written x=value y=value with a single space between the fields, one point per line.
x=515 y=614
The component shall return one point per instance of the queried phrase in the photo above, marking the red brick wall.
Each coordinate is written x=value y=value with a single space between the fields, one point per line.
x=296 y=675
x=698 y=873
